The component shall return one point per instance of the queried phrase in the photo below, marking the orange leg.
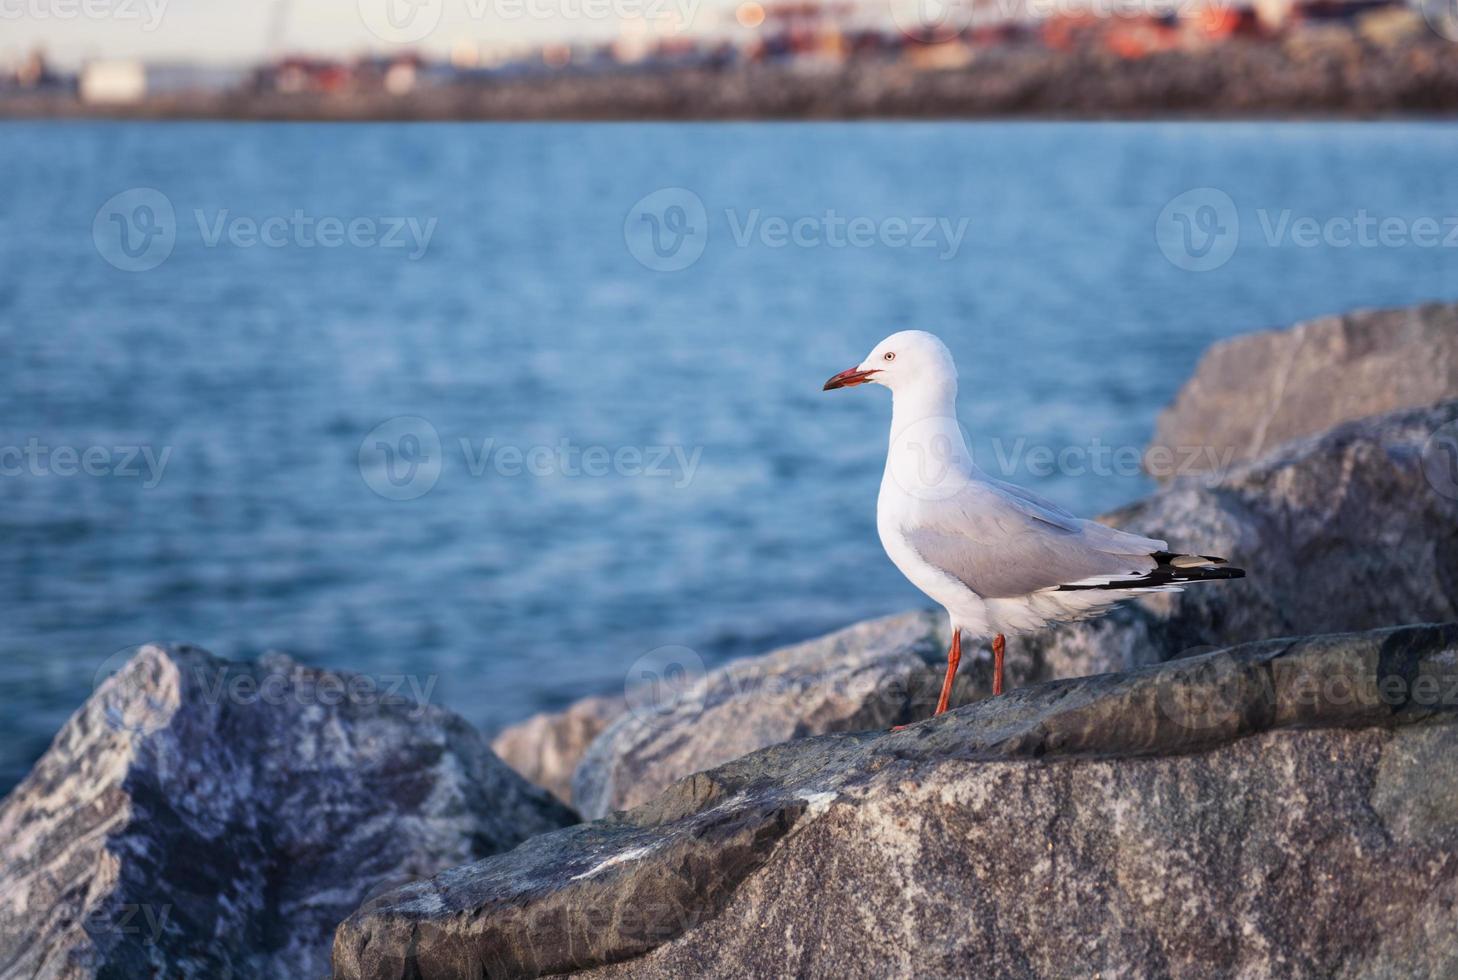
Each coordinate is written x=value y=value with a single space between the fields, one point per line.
x=954 y=657
x=999 y=646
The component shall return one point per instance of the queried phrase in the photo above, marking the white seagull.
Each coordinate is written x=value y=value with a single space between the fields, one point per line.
x=998 y=558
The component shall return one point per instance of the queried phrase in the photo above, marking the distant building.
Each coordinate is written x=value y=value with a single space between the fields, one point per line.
x=113 y=82
x=400 y=77
x=128 y=82
x=34 y=72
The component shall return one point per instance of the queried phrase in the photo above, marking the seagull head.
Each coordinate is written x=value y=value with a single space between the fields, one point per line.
x=911 y=358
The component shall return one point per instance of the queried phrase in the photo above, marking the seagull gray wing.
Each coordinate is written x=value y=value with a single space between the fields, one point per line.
x=1002 y=541
x=1032 y=505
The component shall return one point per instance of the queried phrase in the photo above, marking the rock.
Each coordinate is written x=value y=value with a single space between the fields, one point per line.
x=546 y=748
x=1351 y=530
x=1254 y=392
x=199 y=818
x=872 y=675
x=1282 y=808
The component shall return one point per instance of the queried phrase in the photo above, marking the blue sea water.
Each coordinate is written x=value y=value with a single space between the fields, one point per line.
x=617 y=337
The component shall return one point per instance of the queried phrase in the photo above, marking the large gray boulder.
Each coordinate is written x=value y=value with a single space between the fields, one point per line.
x=204 y=819
x=1283 y=808
x=875 y=674
x=1350 y=530
x=1256 y=391
x=546 y=748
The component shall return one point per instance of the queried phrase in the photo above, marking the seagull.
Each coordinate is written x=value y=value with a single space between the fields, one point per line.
x=999 y=559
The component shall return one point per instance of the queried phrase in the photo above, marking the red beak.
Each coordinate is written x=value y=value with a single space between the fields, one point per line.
x=848 y=378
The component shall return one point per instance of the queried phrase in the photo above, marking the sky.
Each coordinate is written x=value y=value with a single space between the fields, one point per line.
x=242 y=31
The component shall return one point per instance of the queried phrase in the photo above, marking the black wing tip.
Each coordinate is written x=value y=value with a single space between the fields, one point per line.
x=1209 y=569
x=1166 y=572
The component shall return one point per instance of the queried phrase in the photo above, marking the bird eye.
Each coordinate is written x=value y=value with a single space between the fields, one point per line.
x=890 y=355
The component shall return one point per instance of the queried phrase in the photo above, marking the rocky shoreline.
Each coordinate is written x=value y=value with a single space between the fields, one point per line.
x=1311 y=74
x=1156 y=797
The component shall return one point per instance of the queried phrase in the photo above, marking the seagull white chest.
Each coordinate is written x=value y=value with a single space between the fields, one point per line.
x=896 y=513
